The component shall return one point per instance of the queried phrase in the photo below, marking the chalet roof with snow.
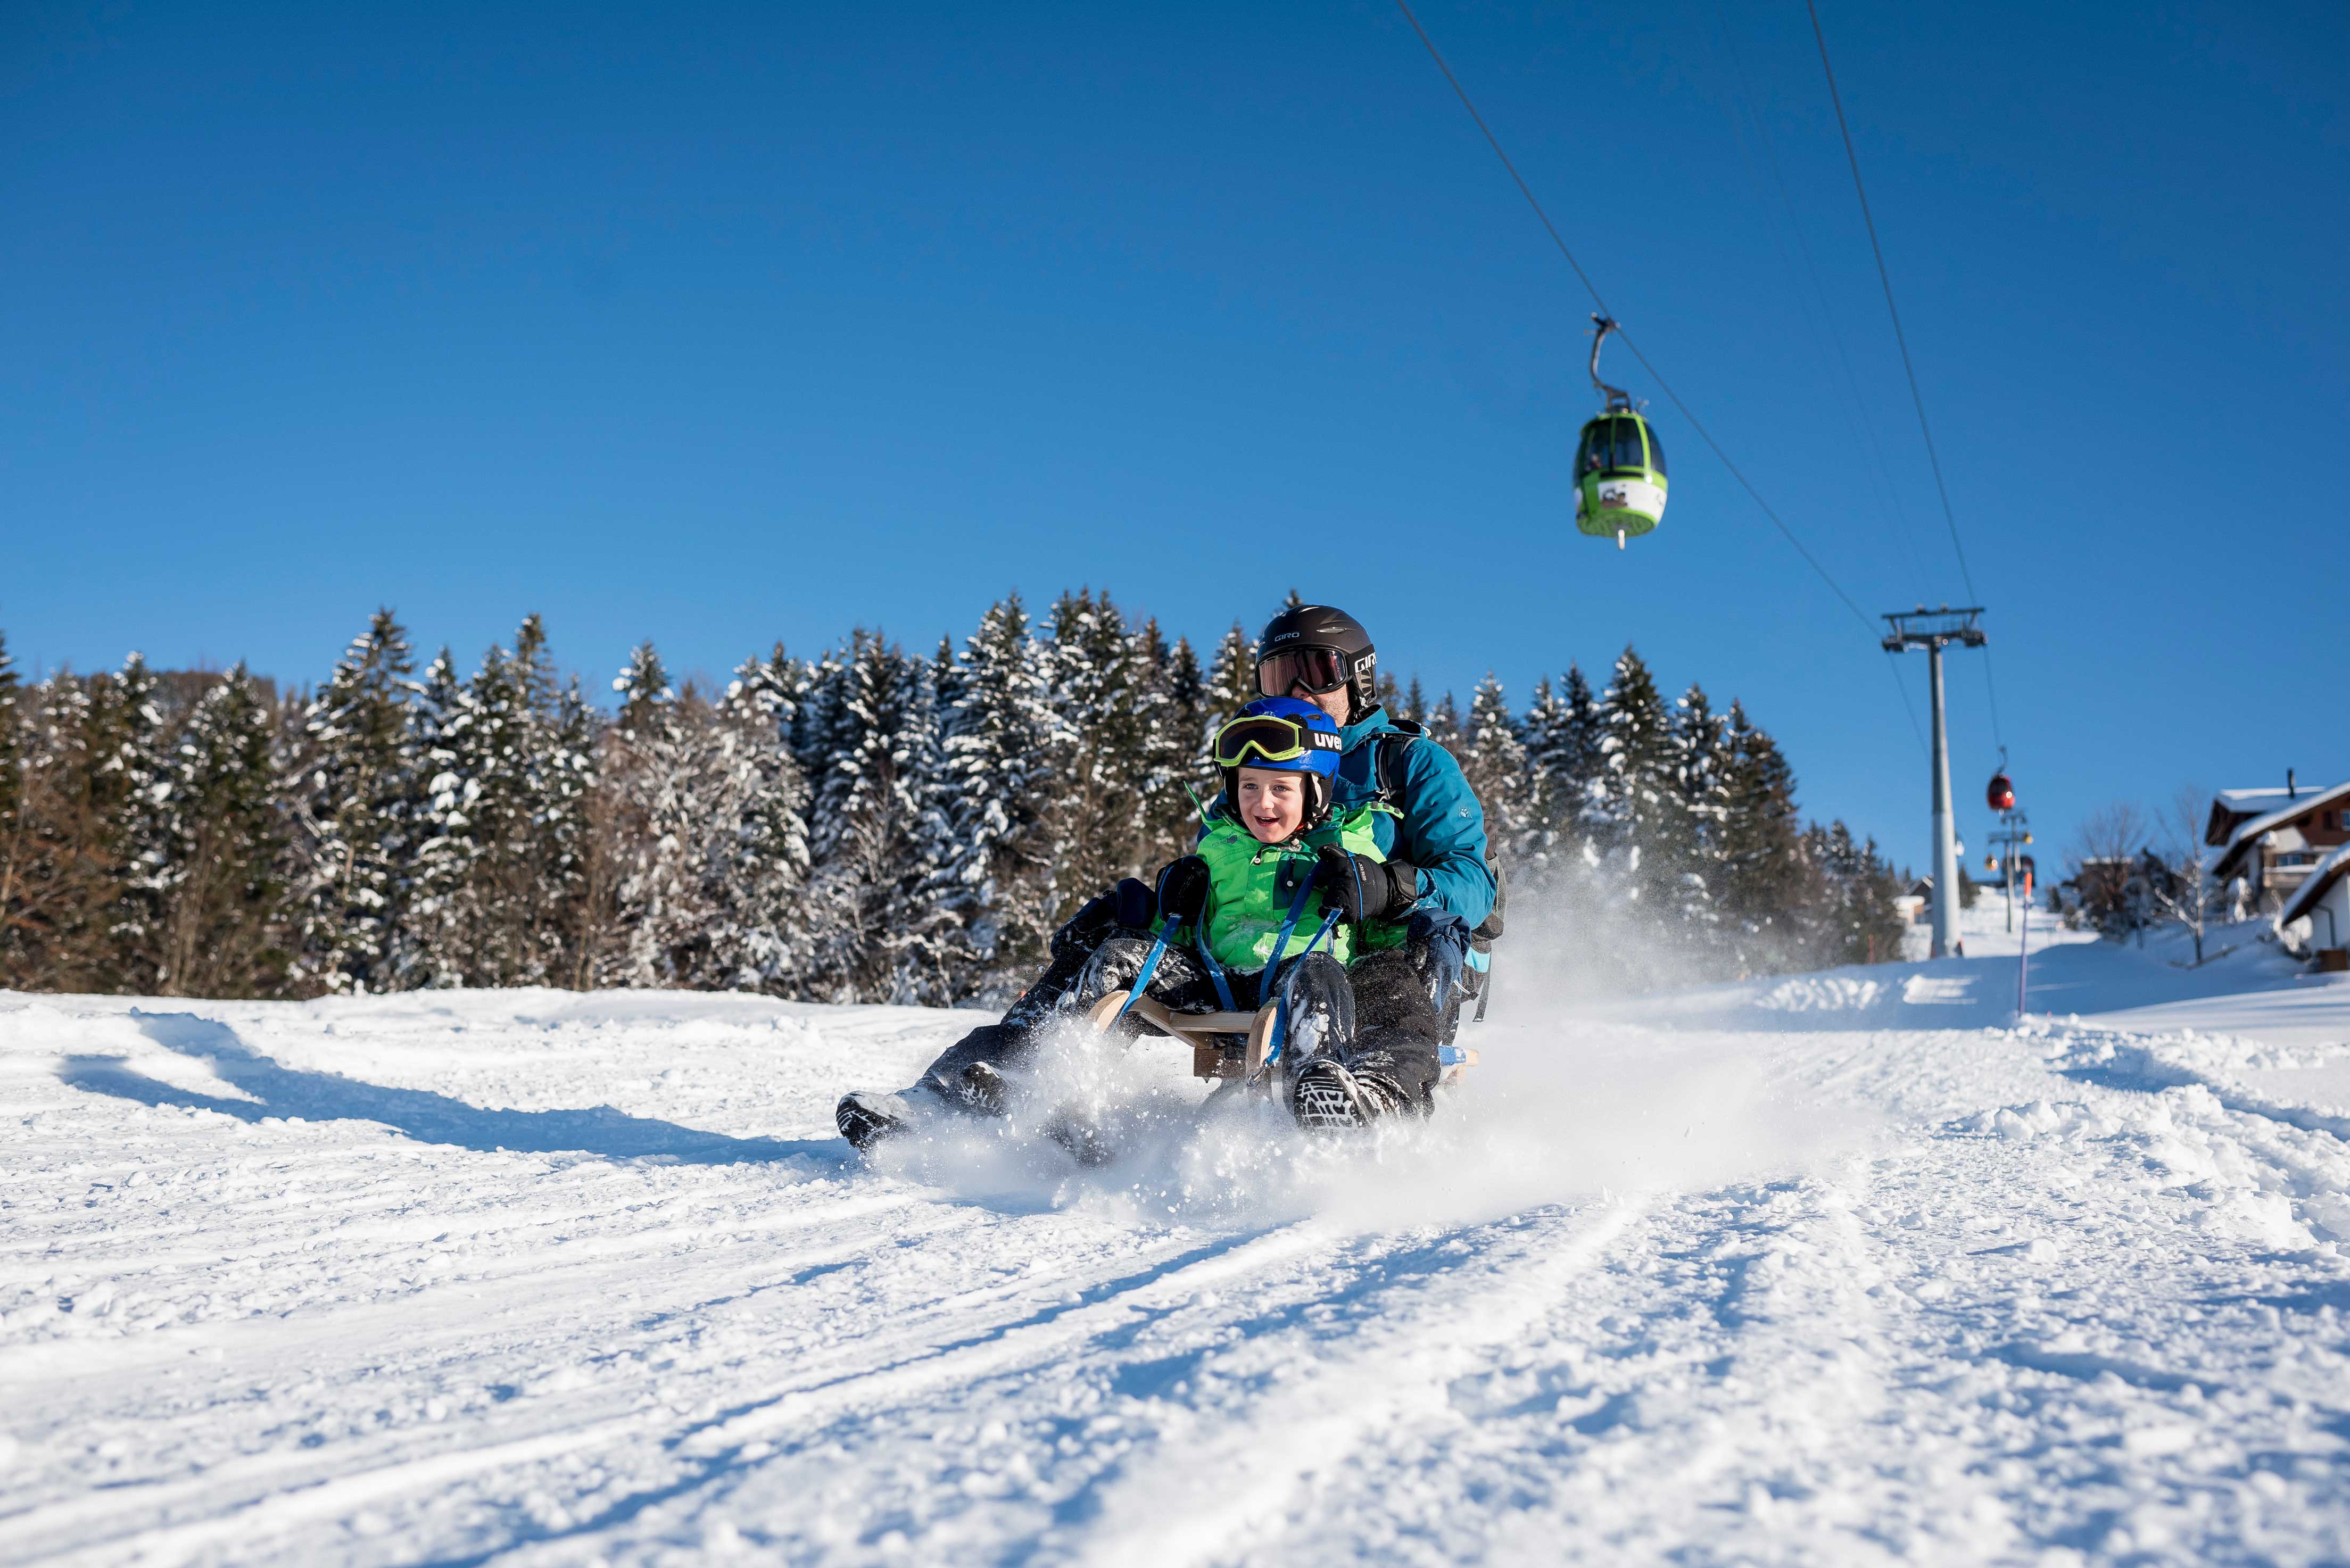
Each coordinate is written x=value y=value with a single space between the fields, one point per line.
x=2246 y=836
x=2329 y=871
x=2230 y=807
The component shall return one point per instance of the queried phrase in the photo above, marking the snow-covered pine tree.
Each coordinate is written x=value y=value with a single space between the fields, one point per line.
x=12 y=757
x=1415 y=703
x=1390 y=695
x=132 y=749
x=1097 y=792
x=647 y=849
x=1633 y=810
x=1168 y=701
x=574 y=737
x=866 y=813
x=358 y=800
x=1561 y=738
x=225 y=928
x=922 y=961
x=815 y=720
x=994 y=896
x=1701 y=767
x=22 y=865
x=1443 y=721
x=1767 y=879
x=65 y=859
x=493 y=935
x=1231 y=682
x=1852 y=918
x=946 y=675
x=17 y=841
x=438 y=723
x=1493 y=760
x=1540 y=732
x=512 y=803
x=1577 y=762
x=755 y=864
x=28 y=862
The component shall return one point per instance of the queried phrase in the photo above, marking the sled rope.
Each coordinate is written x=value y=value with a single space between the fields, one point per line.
x=1150 y=968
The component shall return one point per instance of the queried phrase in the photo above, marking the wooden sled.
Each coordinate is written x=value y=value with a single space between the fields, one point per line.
x=1232 y=1045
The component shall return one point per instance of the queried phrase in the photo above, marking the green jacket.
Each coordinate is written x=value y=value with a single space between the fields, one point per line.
x=1253 y=884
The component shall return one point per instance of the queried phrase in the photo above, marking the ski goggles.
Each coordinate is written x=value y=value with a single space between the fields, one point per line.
x=1268 y=737
x=1319 y=669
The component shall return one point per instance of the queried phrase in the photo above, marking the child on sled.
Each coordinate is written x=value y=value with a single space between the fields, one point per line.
x=1266 y=908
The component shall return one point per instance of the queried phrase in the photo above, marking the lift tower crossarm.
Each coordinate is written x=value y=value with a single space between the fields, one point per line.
x=1934 y=630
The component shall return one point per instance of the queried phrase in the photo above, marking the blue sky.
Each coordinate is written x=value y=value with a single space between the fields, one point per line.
x=722 y=325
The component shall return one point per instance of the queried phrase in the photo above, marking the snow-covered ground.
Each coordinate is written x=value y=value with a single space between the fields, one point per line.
x=1839 y=1268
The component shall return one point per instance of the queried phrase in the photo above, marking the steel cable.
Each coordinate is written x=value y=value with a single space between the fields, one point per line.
x=1901 y=339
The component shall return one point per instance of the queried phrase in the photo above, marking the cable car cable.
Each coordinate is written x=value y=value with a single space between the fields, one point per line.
x=1593 y=289
x=1901 y=339
x=1819 y=317
x=1884 y=278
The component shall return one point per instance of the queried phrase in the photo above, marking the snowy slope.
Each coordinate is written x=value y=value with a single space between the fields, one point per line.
x=1839 y=1268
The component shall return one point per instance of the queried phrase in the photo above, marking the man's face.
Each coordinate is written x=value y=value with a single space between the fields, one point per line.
x=1331 y=703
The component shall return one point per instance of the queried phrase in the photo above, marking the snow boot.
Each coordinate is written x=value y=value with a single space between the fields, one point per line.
x=866 y=1116
x=1325 y=1097
x=979 y=1090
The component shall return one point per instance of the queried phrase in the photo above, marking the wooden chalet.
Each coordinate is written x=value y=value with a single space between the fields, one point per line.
x=2274 y=838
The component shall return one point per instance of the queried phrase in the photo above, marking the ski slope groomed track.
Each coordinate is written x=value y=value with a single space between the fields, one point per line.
x=1843 y=1268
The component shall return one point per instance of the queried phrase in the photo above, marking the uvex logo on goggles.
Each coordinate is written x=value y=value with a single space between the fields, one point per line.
x=1269 y=738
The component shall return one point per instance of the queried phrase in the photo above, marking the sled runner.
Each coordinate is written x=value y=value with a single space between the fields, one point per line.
x=1230 y=1045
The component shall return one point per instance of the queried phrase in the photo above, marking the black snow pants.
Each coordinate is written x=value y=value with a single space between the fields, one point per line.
x=1397 y=1029
x=1008 y=1046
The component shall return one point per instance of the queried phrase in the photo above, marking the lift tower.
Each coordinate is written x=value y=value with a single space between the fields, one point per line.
x=1931 y=630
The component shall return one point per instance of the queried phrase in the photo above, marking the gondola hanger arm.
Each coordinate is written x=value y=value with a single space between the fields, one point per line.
x=1601 y=327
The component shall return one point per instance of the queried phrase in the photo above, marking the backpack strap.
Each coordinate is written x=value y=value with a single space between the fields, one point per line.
x=1386 y=762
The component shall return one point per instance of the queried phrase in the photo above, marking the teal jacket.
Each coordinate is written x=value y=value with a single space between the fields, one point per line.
x=1437 y=824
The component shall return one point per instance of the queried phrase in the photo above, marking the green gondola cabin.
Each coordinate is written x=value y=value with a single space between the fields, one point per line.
x=1619 y=477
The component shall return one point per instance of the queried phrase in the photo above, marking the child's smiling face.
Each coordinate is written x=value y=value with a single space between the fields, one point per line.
x=1272 y=805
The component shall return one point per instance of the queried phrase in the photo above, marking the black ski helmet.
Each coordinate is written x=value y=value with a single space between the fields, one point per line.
x=1322 y=626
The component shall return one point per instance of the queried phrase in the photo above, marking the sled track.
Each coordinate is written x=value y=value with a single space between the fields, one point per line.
x=979 y=1346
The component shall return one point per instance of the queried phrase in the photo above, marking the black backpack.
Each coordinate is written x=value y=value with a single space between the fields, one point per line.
x=1386 y=771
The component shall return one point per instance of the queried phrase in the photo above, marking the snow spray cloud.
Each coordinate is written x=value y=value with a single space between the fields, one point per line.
x=1561 y=1110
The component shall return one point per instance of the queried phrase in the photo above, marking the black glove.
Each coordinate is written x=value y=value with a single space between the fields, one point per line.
x=1135 y=903
x=1361 y=888
x=1183 y=892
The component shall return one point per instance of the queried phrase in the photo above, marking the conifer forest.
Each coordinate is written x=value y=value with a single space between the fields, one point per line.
x=872 y=824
